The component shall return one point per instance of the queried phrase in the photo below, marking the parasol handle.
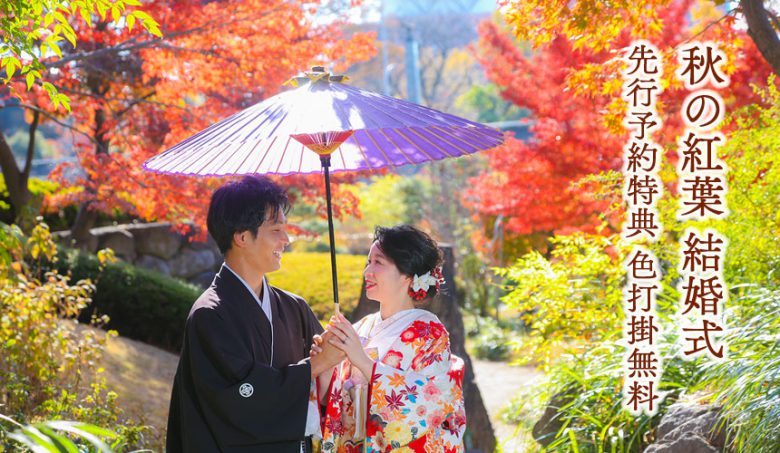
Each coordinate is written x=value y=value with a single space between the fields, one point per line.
x=325 y=160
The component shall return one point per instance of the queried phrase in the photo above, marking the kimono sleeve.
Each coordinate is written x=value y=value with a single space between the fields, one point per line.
x=422 y=403
x=244 y=401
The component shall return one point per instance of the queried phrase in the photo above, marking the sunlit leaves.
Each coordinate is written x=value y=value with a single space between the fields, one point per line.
x=591 y=24
x=753 y=228
x=33 y=33
x=55 y=436
x=216 y=58
x=746 y=384
x=573 y=297
x=48 y=361
x=572 y=92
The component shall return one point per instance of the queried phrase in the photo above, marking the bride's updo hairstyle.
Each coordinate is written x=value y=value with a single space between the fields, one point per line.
x=412 y=251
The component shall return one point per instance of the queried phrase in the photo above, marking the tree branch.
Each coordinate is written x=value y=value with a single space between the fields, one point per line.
x=53 y=118
x=133 y=44
x=133 y=103
x=775 y=22
x=701 y=32
x=206 y=52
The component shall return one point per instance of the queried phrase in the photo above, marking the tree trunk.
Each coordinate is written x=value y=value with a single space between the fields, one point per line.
x=761 y=32
x=86 y=217
x=85 y=220
x=479 y=430
x=16 y=179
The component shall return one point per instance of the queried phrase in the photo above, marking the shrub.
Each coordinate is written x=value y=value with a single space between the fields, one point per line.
x=48 y=364
x=572 y=304
x=153 y=308
x=588 y=381
x=751 y=152
x=587 y=368
x=573 y=297
x=309 y=276
x=140 y=304
x=747 y=383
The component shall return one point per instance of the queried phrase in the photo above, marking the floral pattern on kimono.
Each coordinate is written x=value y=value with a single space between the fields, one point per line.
x=414 y=398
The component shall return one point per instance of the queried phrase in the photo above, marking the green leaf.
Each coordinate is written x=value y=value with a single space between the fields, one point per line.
x=143 y=16
x=30 y=78
x=64 y=100
x=86 y=15
x=96 y=430
x=26 y=441
x=10 y=66
x=130 y=22
x=102 y=9
x=41 y=440
x=48 y=19
x=63 y=444
x=49 y=88
x=80 y=429
x=51 y=43
x=60 y=17
x=10 y=420
x=69 y=34
x=153 y=29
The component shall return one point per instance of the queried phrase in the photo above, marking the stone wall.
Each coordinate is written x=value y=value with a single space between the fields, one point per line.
x=156 y=247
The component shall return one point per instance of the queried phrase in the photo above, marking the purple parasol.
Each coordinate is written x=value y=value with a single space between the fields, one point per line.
x=346 y=127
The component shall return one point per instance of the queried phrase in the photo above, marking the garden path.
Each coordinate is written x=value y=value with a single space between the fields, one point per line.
x=498 y=383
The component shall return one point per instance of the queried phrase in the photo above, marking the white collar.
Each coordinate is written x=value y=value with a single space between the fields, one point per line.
x=265 y=304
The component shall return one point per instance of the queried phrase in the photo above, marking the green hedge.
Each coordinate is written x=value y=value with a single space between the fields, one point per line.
x=309 y=276
x=152 y=308
x=141 y=304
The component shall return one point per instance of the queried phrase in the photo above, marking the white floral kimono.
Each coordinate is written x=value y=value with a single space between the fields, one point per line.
x=414 y=400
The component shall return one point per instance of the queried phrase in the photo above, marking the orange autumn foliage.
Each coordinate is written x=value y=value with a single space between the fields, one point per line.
x=572 y=91
x=134 y=95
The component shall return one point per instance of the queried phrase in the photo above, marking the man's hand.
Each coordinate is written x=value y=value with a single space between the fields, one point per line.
x=326 y=357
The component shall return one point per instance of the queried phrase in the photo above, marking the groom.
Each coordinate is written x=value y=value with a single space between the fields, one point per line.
x=243 y=380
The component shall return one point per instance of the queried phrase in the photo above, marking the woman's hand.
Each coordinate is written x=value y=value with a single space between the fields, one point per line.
x=346 y=339
x=316 y=346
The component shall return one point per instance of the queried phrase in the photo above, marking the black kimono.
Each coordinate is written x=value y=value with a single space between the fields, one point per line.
x=226 y=398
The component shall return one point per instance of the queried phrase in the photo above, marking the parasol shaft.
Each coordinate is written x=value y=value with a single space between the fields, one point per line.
x=325 y=160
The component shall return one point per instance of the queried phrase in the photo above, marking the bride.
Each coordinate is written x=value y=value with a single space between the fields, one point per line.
x=399 y=388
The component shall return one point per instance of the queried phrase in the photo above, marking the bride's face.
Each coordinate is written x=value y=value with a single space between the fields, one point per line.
x=384 y=282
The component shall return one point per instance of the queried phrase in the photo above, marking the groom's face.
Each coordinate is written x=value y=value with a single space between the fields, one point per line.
x=265 y=250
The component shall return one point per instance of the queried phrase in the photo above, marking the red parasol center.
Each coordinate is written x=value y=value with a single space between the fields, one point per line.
x=323 y=143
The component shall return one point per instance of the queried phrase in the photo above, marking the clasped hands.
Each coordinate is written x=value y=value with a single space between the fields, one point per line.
x=338 y=341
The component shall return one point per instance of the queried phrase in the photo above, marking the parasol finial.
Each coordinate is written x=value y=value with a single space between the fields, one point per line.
x=317 y=74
